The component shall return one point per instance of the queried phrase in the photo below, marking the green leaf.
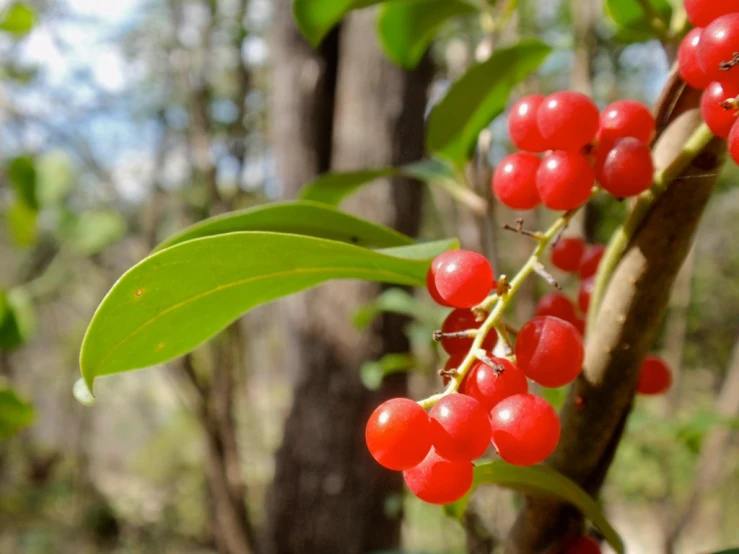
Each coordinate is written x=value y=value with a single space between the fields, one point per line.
x=15 y=413
x=430 y=170
x=299 y=218
x=332 y=188
x=54 y=178
x=407 y=29
x=18 y=19
x=17 y=319
x=728 y=551
x=92 y=232
x=22 y=222
x=397 y=301
x=373 y=372
x=173 y=301
x=478 y=97
x=22 y=177
x=542 y=480
x=635 y=22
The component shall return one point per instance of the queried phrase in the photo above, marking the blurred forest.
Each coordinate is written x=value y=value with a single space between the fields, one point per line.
x=122 y=122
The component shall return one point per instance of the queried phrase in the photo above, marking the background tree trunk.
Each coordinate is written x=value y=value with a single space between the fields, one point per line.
x=328 y=494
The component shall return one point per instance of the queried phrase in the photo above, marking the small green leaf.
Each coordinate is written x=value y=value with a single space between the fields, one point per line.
x=299 y=218
x=17 y=319
x=407 y=29
x=332 y=188
x=18 y=19
x=92 y=232
x=22 y=222
x=430 y=170
x=396 y=301
x=372 y=373
x=635 y=22
x=176 y=299
x=22 y=177
x=54 y=178
x=478 y=97
x=542 y=480
x=15 y=413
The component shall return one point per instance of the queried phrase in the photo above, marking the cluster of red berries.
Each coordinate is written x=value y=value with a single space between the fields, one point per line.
x=580 y=145
x=707 y=60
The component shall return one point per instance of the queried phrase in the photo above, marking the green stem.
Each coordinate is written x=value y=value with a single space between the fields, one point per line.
x=623 y=235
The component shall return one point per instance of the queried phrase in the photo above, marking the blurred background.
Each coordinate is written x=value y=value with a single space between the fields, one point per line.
x=122 y=122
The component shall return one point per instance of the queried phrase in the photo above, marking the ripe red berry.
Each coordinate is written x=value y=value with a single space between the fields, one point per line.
x=464 y=320
x=549 y=350
x=568 y=120
x=398 y=434
x=439 y=481
x=591 y=260
x=514 y=181
x=719 y=114
x=489 y=387
x=556 y=304
x=628 y=169
x=565 y=180
x=687 y=61
x=718 y=43
x=733 y=142
x=583 y=295
x=522 y=124
x=581 y=545
x=654 y=376
x=431 y=285
x=703 y=12
x=567 y=253
x=460 y=428
x=463 y=279
x=525 y=429
x=626 y=118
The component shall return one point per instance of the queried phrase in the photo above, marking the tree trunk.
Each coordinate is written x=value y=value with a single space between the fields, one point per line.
x=328 y=494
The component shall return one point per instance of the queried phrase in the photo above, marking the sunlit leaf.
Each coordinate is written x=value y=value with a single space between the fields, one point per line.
x=17 y=19
x=22 y=222
x=634 y=22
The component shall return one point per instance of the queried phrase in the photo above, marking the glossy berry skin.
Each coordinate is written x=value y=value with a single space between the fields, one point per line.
x=398 y=434
x=464 y=320
x=733 y=142
x=565 y=180
x=718 y=43
x=626 y=118
x=550 y=351
x=463 y=279
x=703 y=12
x=525 y=429
x=568 y=120
x=581 y=545
x=628 y=168
x=431 y=285
x=489 y=387
x=460 y=428
x=437 y=480
x=584 y=293
x=654 y=376
x=591 y=260
x=556 y=304
x=687 y=61
x=523 y=127
x=718 y=118
x=514 y=181
x=567 y=253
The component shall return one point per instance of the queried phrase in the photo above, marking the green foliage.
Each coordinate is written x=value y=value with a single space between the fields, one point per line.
x=406 y=29
x=21 y=219
x=171 y=302
x=478 y=97
x=17 y=319
x=634 y=22
x=54 y=178
x=331 y=188
x=18 y=19
x=91 y=232
x=373 y=372
x=15 y=413
x=316 y=18
x=300 y=218
x=22 y=178
x=400 y=302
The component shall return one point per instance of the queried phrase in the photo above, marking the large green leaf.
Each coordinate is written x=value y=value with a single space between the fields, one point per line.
x=478 y=97
x=171 y=302
x=15 y=413
x=407 y=29
x=332 y=188
x=18 y=19
x=543 y=481
x=634 y=21
x=299 y=218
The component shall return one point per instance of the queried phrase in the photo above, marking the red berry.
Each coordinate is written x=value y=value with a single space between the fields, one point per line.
x=431 y=285
x=568 y=120
x=719 y=116
x=514 y=181
x=549 y=350
x=460 y=428
x=565 y=180
x=489 y=387
x=718 y=43
x=454 y=361
x=398 y=434
x=567 y=253
x=628 y=169
x=687 y=61
x=654 y=376
x=525 y=429
x=439 y=481
x=556 y=304
x=463 y=278
x=733 y=142
x=703 y=12
x=522 y=124
x=583 y=295
x=626 y=118
x=581 y=545
x=591 y=260
x=464 y=320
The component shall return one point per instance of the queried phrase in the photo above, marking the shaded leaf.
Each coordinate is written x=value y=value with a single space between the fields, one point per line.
x=18 y=19
x=22 y=177
x=54 y=178
x=332 y=188
x=373 y=372
x=92 y=232
x=17 y=319
x=15 y=413
x=634 y=22
x=396 y=301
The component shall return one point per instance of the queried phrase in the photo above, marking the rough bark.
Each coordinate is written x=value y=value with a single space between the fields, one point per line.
x=328 y=494
x=594 y=415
